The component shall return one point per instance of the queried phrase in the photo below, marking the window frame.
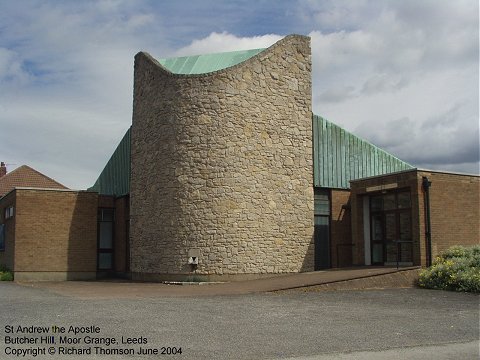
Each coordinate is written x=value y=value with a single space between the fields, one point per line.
x=382 y=213
x=3 y=237
x=101 y=218
x=9 y=212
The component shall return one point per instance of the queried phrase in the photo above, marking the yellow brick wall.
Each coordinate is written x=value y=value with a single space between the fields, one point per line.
x=340 y=231
x=55 y=231
x=454 y=211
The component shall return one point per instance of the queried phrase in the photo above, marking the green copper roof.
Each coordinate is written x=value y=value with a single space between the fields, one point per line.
x=115 y=177
x=340 y=156
x=201 y=64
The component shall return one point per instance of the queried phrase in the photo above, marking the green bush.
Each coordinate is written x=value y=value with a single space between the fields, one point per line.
x=5 y=274
x=457 y=269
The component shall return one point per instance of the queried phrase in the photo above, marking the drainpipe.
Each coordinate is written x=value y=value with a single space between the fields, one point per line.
x=428 y=230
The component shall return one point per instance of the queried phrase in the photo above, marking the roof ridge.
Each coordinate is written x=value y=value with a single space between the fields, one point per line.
x=31 y=169
x=13 y=171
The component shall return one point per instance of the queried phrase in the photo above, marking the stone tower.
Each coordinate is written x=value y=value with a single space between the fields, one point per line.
x=222 y=168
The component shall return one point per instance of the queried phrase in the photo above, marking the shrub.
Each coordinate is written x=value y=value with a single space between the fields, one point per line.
x=457 y=269
x=5 y=274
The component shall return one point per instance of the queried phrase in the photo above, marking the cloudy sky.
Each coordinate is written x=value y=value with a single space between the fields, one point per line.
x=402 y=74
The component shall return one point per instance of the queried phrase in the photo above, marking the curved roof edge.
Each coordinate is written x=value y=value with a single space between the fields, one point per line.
x=191 y=65
x=202 y=64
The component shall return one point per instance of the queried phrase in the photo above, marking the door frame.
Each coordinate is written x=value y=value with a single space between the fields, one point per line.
x=397 y=238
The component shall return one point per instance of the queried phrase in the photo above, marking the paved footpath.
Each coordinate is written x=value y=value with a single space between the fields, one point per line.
x=127 y=289
x=374 y=324
x=468 y=350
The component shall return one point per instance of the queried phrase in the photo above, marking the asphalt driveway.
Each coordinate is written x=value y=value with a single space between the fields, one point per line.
x=286 y=325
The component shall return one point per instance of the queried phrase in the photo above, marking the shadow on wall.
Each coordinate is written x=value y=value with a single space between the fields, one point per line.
x=309 y=260
x=341 y=246
x=82 y=237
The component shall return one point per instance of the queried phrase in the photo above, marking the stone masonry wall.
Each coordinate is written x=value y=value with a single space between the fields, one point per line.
x=222 y=163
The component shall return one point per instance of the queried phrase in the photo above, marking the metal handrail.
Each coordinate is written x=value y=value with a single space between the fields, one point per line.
x=398 y=242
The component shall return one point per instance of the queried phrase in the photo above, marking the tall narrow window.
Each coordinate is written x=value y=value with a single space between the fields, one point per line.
x=322 y=228
x=105 y=239
x=9 y=212
x=2 y=237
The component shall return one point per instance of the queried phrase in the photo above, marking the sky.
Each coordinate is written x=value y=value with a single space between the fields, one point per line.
x=403 y=75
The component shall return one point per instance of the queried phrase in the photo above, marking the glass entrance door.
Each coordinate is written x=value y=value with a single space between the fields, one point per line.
x=391 y=229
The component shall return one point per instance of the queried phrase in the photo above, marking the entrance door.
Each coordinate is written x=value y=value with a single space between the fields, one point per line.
x=391 y=229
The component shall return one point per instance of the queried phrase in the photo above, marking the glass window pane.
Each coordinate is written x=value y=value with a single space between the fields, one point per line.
x=106 y=235
x=391 y=252
x=321 y=202
x=321 y=220
x=390 y=227
x=376 y=203
x=105 y=261
x=377 y=231
x=321 y=207
x=377 y=253
x=406 y=253
x=389 y=202
x=405 y=226
x=107 y=214
x=404 y=200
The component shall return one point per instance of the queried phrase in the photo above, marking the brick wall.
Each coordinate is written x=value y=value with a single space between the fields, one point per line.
x=454 y=211
x=340 y=231
x=454 y=207
x=56 y=231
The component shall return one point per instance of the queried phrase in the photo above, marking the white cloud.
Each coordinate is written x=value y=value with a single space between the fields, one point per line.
x=11 y=70
x=405 y=78
x=66 y=89
x=221 y=42
x=403 y=74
